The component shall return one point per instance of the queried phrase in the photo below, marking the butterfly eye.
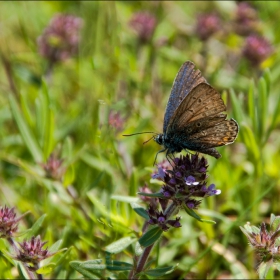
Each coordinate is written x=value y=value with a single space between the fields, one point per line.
x=198 y=124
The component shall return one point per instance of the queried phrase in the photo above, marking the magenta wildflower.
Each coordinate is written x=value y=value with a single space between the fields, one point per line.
x=144 y=25
x=266 y=243
x=53 y=167
x=60 y=38
x=257 y=49
x=8 y=222
x=246 y=19
x=32 y=253
x=207 y=25
x=116 y=121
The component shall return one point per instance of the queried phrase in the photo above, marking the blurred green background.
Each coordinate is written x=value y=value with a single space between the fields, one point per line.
x=119 y=83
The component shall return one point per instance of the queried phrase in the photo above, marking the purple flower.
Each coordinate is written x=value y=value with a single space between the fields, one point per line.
x=174 y=223
x=60 y=38
x=31 y=252
x=144 y=25
x=159 y=218
x=160 y=175
x=212 y=191
x=256 y=49
x=116 y=121
x=207 y=25
x=246 y=19
x=190 y=180
x=8 y=222
x=186 y=182
x=265 y=242
x=53 y=167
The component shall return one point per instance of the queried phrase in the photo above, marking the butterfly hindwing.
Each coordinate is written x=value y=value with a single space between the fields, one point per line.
x=220 y=134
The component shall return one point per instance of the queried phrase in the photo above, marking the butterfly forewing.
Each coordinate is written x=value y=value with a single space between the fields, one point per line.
x=202 y=102
x=186 y=79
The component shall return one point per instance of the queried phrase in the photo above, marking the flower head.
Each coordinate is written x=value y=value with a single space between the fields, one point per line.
x=60 y=39
x=186 y=182
x=159 y=218
x=183 y=185
x=8 y=222
x=31 y=252
x=265 y=242
x=144 y=25
x=256 y=49
x=246 y=19
x=116 y=121
x=53 y=167
x=161 y=169
x=207 y=25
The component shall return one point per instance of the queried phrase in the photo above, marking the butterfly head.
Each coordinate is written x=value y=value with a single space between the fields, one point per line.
x=159 y=138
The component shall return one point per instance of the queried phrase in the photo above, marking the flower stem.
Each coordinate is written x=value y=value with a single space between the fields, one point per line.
x=142 y=261
x=171 y=210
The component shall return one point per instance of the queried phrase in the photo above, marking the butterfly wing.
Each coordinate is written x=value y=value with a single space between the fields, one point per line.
x=200 y=123
x=186 y=79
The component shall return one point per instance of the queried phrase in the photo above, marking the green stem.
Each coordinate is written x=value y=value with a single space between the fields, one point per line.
x=171 y=210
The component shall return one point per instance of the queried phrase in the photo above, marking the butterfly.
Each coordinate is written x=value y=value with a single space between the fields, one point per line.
x=194 y=117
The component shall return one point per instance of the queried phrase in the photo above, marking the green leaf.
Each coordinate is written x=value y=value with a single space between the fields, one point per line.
x=157 y=272
x=250 y=141
x=26 y=134
x=93 y=265
x=96 y=261
x=140 y=210
x=192 y=213
x=118 y=265
x=22 y=271
x=150 y=237
x=262 y=105
x=263 y=269
x=252 y=106
x=159 y=195
x=104 y=211
x=274 y=222
x=55 y=247
x=29 y=118
x=46 y=269
x=49 y=135
x=208 y=221
x=77 y=265
x=123 y=198
x=69 y=176
x=45 y=121
x=236 y=106
x=34 y=229
x=275 y=116
x=138 y=249
x=119 y=245
x=267 y=77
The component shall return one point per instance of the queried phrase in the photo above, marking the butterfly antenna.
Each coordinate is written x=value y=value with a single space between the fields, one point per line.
x=148 y=140
x=139 y=133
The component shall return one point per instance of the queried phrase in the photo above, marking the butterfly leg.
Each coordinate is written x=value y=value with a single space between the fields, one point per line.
x=189 y=152
x=158 y=153
x=170 y=157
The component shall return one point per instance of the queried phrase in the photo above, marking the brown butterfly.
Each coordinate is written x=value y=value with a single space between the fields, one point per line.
x=194 y=118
